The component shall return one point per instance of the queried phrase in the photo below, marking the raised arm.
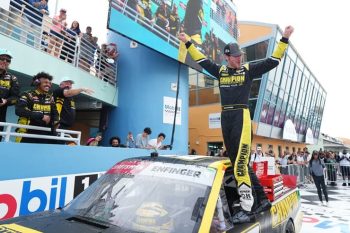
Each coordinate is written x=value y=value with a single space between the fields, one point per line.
x=259 y=68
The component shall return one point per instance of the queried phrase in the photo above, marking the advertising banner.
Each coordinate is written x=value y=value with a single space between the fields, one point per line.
x=215 y=121
x=27 y=196
x=156 y=23
x=169 y=110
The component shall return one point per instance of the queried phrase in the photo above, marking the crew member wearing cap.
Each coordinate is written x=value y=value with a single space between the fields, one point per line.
x=9 y=87
x=65 y=102
x=37 y=108
x=235 y=81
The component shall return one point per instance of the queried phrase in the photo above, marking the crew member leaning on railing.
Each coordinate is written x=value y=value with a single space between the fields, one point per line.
x=37 y=108
x=9 y=87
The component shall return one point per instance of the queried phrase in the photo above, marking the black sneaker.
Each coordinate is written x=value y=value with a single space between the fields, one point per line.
x=243 y=216
x=264 y=205
x=344 y=184
x=348 y=184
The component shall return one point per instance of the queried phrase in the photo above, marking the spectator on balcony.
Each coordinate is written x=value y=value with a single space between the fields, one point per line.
x=88 y=46
x=109 y=68
x=114 y=142
x=57 y=30
x=94 y=141
x=101 y=60
x=156 y=143
x=143 y=138
x=37 y=108
x=65 y=104
x=70 y=40
x=36 y=11
x=130 y=142
x=9 y=87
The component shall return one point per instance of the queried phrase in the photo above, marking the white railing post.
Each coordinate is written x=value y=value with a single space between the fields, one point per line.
x=8 y=131
x=9 y=126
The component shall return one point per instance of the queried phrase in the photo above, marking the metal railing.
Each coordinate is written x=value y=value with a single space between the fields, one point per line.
x=64 y=135
x=220 y=20
x=27 y=25
x=334 y=173
x=123 y=8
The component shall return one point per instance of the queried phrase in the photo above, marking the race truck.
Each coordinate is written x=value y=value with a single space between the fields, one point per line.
x=162 y=194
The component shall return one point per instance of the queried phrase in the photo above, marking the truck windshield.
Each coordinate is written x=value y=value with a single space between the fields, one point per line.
x=152 y=197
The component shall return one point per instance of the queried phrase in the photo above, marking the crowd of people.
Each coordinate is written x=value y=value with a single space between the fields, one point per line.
x=68 y=43
x=41 y=106
x=142 y=141
x=45 y=107
x=54 y=108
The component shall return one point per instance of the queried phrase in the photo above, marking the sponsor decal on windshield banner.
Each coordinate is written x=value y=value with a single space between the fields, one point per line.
x=190 y=173
x=27 y=196
x=128 y=167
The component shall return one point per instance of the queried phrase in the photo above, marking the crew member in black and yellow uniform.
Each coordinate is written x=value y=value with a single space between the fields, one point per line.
x=37 y=108
x=9 y=87
x=144 y=9
x=65 y=102
x=192 y=26
x=174 y=21
x=162 y=15
x=235 y=81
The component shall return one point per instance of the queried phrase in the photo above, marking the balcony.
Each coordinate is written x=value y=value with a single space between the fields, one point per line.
x=37 y=47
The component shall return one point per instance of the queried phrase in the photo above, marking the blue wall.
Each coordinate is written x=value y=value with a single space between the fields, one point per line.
x=144 y=78
x=22 y=160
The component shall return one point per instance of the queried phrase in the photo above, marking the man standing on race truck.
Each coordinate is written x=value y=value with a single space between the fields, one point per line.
x=9 y=87
x=235 y=81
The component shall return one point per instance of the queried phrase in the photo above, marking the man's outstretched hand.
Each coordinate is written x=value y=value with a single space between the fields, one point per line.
x=288 y=31
x=183 y=37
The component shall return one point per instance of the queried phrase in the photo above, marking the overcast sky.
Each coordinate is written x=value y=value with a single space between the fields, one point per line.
x=320 y=37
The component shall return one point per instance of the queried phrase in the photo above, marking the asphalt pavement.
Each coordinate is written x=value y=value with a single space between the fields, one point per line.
x=334 y=218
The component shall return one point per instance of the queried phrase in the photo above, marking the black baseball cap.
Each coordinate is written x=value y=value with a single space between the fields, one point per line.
x=232 y=49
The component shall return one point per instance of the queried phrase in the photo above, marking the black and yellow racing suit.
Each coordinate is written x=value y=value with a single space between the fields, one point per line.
x=174 y=23
x=234 y=87
x=162 y=15
x=31 y=108
x=9 y=90
x=65 y=108
x=144 y=8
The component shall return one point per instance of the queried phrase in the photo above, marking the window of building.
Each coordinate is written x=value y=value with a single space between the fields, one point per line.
x=214 y=148
x=254 y=91
x=257 y=51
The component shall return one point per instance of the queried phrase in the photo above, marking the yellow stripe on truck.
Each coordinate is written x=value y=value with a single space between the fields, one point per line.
x=213 y=197
x=16 y=228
